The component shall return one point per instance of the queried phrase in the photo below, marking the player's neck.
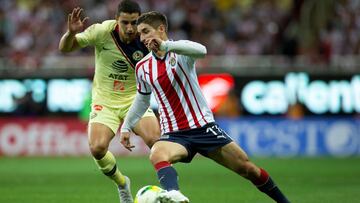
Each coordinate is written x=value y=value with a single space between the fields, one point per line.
x=125 y=40
x=160 y=54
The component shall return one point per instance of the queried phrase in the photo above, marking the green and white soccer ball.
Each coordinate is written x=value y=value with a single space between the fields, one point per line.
x=148 y=194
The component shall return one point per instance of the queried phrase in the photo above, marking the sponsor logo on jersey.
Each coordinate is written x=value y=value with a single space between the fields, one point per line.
x=118 y=76
x=120 y=66
x=137 y=55
x=118 y=86
x=98 y=107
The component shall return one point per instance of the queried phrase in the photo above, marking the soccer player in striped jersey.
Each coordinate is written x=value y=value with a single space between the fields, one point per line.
x=117 y=50
x=186 y=121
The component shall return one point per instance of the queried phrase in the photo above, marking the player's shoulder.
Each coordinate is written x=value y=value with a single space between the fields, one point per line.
x=108 y=25
x=105 y=26
x=143 y=60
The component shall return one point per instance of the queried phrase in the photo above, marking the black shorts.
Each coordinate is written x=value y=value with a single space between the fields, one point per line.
x=200 y=140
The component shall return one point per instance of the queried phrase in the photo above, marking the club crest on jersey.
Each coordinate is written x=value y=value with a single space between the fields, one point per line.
x=172 y=61
x=137 y=55
x=120 y=66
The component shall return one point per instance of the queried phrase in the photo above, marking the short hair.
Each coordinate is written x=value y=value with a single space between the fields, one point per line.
x=154 y=19
x=128 y=6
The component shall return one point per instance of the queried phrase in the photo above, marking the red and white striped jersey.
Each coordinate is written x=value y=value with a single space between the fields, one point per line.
x=173 y=81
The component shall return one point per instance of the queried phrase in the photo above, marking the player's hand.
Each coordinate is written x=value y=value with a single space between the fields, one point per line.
x=153 y=44
x=75 y=24
x=125 y=140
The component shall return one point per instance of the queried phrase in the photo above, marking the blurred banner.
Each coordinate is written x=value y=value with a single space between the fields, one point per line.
x=319 y=95
x=248 y=95
x=339 y=137
x=261 y=136
x=53 y=137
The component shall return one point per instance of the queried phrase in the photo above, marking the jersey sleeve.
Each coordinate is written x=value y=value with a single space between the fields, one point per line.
x=184 y=47
x=187 y=62
x=89 y=37
x=143 y=86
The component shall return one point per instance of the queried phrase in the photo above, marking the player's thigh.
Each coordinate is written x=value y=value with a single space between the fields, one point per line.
x=103 y=125
x=100 y=134
x=148 y=129
x=230 y=156
x=167 y=151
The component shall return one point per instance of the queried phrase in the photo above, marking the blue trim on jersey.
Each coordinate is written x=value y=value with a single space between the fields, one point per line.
x=131 y=48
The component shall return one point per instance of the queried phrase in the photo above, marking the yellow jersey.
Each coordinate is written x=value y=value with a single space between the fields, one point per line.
x=114 y=83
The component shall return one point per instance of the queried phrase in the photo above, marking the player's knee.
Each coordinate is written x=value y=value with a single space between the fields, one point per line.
x=157 y=156
x=98 y=150
x=246 y=169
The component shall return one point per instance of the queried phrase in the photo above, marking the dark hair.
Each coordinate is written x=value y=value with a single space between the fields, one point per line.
x=128 y=6
x=154 y=19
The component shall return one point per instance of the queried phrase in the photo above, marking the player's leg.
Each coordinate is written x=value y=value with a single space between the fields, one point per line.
x=163 y=155
x=103 y=124
x=234 y=158
x=148 y=129
x=99 y=139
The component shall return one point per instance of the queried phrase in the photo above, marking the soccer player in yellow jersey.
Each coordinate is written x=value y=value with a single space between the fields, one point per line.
x=117 y=50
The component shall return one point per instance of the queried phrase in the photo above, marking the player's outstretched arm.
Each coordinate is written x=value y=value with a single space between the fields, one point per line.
x=68 y=41
x=184 y=47
x=137 y=110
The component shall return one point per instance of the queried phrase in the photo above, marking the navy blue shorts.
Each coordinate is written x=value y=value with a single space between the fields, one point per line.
x=200 y=140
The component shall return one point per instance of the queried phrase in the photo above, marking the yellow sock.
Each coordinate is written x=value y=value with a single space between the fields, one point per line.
x=107 y=165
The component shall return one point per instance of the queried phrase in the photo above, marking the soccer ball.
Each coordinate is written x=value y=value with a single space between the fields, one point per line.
x=148 y=194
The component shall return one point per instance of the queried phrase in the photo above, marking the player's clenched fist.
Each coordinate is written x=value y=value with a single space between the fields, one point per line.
x=75 y=24
x=153 y=44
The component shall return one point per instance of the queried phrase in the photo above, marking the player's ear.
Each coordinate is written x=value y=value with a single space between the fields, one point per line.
x=117 y=16
x=161 y=28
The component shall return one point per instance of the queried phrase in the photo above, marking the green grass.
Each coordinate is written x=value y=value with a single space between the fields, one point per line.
x=77 y=180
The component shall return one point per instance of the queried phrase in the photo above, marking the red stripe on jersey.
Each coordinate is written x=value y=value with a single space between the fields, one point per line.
x=138 y=65
x=146 y=90
x=193 y=114
x=159 y=97
x=172 y=96
x=137 y=76
x=192 y=91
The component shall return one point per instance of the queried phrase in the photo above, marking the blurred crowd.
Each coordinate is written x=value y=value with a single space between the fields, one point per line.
x=30 y=29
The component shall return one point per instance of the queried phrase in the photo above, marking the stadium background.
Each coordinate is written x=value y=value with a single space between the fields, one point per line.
x=282 y=77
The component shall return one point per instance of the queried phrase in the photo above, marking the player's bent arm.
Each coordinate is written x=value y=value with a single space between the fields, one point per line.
x=138 y=108
x=184 y=47
x=68 y=42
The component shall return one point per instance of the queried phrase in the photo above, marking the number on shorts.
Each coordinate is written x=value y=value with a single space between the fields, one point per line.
x=212 y=129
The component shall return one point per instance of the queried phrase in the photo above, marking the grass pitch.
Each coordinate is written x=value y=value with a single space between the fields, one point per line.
x=77 y=180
